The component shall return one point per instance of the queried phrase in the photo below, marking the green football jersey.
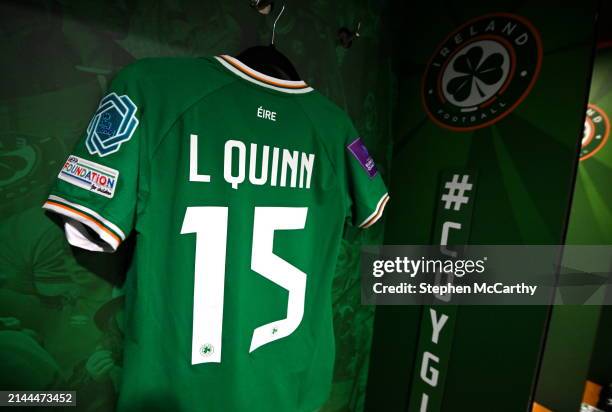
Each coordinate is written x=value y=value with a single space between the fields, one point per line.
x=236 y=186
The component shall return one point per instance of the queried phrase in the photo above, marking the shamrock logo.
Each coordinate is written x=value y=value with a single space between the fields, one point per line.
x=481 y=72
x=207 y=349
x=476 y=75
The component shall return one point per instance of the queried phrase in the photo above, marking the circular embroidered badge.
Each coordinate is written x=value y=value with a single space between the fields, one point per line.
x=481 y=72
x=596 y=131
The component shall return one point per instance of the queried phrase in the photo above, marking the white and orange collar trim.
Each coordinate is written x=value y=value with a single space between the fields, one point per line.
x=242 y=70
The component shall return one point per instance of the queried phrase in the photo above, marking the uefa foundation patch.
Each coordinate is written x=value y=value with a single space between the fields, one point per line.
x=358 y=149
x=90 y=176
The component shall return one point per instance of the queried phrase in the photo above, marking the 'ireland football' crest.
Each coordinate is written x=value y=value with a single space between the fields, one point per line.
x=481 y=72
x=596 y=131
x=113 y=123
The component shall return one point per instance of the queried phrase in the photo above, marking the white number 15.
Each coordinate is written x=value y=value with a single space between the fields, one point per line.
x=209 y=223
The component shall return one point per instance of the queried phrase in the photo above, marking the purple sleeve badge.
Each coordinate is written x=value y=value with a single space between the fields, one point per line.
x=358 y=149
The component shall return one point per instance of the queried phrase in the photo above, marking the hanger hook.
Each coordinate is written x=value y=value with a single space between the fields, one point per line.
x=275 y=21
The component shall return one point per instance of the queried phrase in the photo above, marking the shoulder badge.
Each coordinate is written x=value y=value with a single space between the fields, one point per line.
x=113 y=124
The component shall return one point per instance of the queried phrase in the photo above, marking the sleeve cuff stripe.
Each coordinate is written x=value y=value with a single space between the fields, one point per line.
x=105 y=234
x=373 y=218
x=96 y=216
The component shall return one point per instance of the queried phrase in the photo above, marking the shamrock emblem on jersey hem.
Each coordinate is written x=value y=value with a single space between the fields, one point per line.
x=207 y=349
x=113 y=123
x=475 y=73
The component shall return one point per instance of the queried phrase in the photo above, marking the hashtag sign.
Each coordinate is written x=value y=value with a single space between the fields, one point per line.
x=455 y=195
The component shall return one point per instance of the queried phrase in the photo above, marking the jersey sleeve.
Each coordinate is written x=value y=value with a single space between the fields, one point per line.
x=366 y=191
x=96 y=190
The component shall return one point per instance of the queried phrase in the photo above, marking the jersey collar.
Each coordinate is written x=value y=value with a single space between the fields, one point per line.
x=242 y=70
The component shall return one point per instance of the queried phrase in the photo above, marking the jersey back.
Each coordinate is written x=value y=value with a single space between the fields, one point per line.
x=236 y=186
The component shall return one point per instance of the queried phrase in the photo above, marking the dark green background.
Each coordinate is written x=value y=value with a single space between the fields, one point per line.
x=57 y=320
x=57 y=60
x=525 y=165
x=579 y=338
